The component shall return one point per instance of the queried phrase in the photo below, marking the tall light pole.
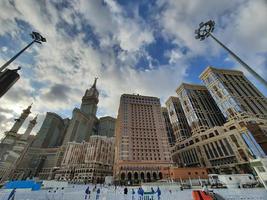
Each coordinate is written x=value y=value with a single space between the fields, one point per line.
x=9 y=77
x=205 y=30
x=37 y=37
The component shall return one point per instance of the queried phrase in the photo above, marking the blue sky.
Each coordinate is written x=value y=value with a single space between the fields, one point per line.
x=144 y=47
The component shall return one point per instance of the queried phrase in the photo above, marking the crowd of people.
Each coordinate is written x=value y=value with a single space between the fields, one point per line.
x=139 y=193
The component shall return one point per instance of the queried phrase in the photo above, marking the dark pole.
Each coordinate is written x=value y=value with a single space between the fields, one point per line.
x=248 y=68
x=14 y=57
x=9 y=77
x=205 y=30
x=37 y=37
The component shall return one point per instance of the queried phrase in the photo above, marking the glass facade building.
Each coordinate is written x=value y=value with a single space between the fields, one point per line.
x=234 y=93
x=199 y=107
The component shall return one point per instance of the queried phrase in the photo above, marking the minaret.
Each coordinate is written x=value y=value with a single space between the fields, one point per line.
x=90 y=100
x=21 y=119
x=31 y=125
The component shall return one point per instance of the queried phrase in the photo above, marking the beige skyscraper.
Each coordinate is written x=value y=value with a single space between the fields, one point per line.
x=88 y=161
x=199 y=107
x=178 y=120
x=83 y=122
x=220 y=146
x=168 y=126
x=18 y=122
x=106 y=126
x=14 y=144
x=141 y=145
x=235 y=95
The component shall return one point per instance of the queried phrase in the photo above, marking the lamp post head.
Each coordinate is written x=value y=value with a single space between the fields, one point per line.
x=204 y=29
x=37 y=37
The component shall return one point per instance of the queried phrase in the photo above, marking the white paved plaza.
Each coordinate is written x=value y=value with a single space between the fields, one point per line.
x=78 y=193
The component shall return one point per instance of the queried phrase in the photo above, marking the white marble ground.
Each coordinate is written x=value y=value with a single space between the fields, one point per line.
x=78 y=193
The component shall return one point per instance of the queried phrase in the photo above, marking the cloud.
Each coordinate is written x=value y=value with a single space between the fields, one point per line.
x=4 y=49
x=58 y=92
x=239 y=24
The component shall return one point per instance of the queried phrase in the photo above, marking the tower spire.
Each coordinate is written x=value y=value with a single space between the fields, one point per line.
x=21 y=119
x=90 y=100
x=35 y=118
x=94 y=85
x=29 y=107
x=31 y=125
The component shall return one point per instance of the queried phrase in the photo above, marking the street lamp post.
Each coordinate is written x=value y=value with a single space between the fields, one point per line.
x=37 y=37
x=9 y=77
x=205 y=30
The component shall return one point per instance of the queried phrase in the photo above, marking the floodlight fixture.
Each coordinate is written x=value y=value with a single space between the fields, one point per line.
x=37 y=37
x=205 y=30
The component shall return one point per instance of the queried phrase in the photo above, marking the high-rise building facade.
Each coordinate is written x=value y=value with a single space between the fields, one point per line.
x=51 y=132
x=178 y=120
x=44 y=157
x=219 y=145
x=18 y=122
x=222 y=149
x=235 y=95
x=199 y=107
x=84 y=121
x=14 y=144
x=90 y=100
x=106 y=126
x=88 y=161
x=168 y=126
x=141 y=146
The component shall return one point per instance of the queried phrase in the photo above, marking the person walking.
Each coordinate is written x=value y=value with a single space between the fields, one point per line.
x=12 y=195
x=158 y=193
x=142 y=193
x=139 y=193
x=62 y=193
x=97 y=194
x=133 y=193
x=87 y=193
x=125 y=191
x=94 y=189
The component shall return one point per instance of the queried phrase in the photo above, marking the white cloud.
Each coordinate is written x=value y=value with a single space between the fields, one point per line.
x=4 y=49
x=69 y=61
x=241 y=25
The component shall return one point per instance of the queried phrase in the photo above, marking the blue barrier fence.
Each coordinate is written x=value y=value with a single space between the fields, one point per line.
x=23 y=185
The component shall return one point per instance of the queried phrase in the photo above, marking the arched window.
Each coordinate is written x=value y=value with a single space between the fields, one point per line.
x=129 y=176
x=148 y=176
x=160 y=175
x=136 y=176
x=142 y=176
x=154 y=176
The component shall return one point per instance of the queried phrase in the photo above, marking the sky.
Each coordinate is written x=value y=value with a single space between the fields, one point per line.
x=145 y=47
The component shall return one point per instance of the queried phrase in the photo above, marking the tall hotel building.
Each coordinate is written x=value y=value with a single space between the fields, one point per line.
x=178 y=120
x=199 y=107
x=235 y=95
x=228 y=128
x=141 y=144
x=168 y=126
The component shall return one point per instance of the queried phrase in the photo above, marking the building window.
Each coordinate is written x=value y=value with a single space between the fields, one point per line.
x=261 y=169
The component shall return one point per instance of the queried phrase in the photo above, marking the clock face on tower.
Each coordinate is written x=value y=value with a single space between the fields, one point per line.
x=90 y=100
x=92 y=92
